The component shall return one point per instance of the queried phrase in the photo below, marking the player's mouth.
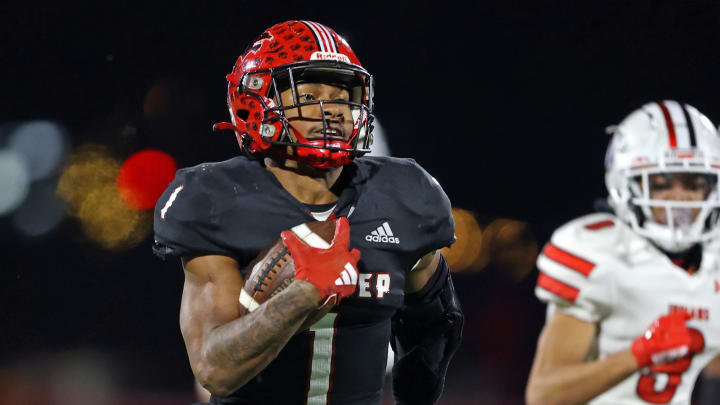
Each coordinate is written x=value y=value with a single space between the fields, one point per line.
x=329 y=133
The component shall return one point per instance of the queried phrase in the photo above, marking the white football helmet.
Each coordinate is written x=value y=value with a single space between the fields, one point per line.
x=665 y=137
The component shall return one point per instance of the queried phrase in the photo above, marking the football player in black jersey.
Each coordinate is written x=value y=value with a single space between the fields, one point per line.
x=301 y=108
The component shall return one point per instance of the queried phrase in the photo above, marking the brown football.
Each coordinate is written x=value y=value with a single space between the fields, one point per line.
x=273 y=270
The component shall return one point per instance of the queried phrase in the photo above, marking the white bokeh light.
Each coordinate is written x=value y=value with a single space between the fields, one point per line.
x=42 y=144
x=14 y=180
x=41 y=212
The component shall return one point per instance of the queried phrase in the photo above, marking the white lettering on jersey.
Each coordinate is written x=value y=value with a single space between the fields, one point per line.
x=364 y=285
x=382 y=285
x=383 y=234
x=699 y=313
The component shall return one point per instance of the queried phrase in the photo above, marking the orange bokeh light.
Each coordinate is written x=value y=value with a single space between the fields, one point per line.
x=144 y=176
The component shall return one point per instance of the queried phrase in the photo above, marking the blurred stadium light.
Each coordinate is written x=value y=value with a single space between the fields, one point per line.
x=88 y=185
x=504 y=243
x=514 y=249
x=107 y=220
x=43 y=145
x=144 y=176
x=90 y=166
x=30 y=155
x=467 y=248
x=41 y=212
x=14 y=180
x=157 y=99
x=78 y=377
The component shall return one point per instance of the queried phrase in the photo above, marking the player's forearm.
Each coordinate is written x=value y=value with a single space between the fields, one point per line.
x=236 y=352
x=579 y=383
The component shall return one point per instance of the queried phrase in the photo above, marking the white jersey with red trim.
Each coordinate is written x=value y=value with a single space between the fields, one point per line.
x=597 y=269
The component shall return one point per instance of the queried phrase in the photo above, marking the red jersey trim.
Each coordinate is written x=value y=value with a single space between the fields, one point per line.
x=557 y=287
x=568 y=259
x=600 y=225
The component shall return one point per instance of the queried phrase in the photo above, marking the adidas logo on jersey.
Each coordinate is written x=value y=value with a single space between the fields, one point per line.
x=382 y=234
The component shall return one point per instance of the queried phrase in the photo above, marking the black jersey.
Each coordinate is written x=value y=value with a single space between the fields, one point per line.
x=397 y=214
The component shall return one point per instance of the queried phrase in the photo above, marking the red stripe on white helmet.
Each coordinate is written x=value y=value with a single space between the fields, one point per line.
x=669 y=123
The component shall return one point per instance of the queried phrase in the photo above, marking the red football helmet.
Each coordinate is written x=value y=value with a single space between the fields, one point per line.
x=283 y=56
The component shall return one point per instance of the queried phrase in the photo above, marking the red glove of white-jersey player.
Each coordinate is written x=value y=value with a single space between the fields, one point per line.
x=333 y=271
x=666 y=340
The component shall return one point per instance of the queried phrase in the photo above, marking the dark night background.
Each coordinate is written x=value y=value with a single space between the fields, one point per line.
x=504 y=102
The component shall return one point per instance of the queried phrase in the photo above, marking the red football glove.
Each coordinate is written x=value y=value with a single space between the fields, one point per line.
x=665 y=341
x=333 y=271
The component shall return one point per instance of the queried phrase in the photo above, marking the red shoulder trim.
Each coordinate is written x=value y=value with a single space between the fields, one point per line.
x=557 y=287
x=600 y=225
x=568 y=259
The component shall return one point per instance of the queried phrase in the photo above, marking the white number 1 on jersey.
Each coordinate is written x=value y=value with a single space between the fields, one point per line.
x=323 y=339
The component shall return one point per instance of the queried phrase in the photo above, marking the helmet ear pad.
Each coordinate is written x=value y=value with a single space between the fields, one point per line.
x=247 y=110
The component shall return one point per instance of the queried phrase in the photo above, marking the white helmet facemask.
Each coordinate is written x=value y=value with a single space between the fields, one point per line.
x=665 y=138
x=671 y=224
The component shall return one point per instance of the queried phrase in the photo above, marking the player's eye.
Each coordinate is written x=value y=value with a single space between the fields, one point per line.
x=659 y=182
x=699 y=184
x=659 y=186
x=306 y=97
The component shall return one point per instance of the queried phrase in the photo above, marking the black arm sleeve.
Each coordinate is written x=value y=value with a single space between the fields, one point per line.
x=426 y=332
x=709 y=391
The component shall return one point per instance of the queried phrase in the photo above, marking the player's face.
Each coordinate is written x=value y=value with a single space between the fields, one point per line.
x=678 y=187
x=308 y=119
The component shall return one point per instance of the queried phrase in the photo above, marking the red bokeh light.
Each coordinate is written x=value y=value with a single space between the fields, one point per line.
x=144 y=176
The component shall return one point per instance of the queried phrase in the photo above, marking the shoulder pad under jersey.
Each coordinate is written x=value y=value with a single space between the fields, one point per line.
x=595 y=236
x=185 y=215
x=577 y=265
x=419 y=197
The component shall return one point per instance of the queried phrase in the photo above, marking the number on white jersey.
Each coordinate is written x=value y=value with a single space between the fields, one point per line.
x=669 y=375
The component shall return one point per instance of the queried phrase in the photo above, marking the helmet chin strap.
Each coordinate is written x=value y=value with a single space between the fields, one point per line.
x=321 y=156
